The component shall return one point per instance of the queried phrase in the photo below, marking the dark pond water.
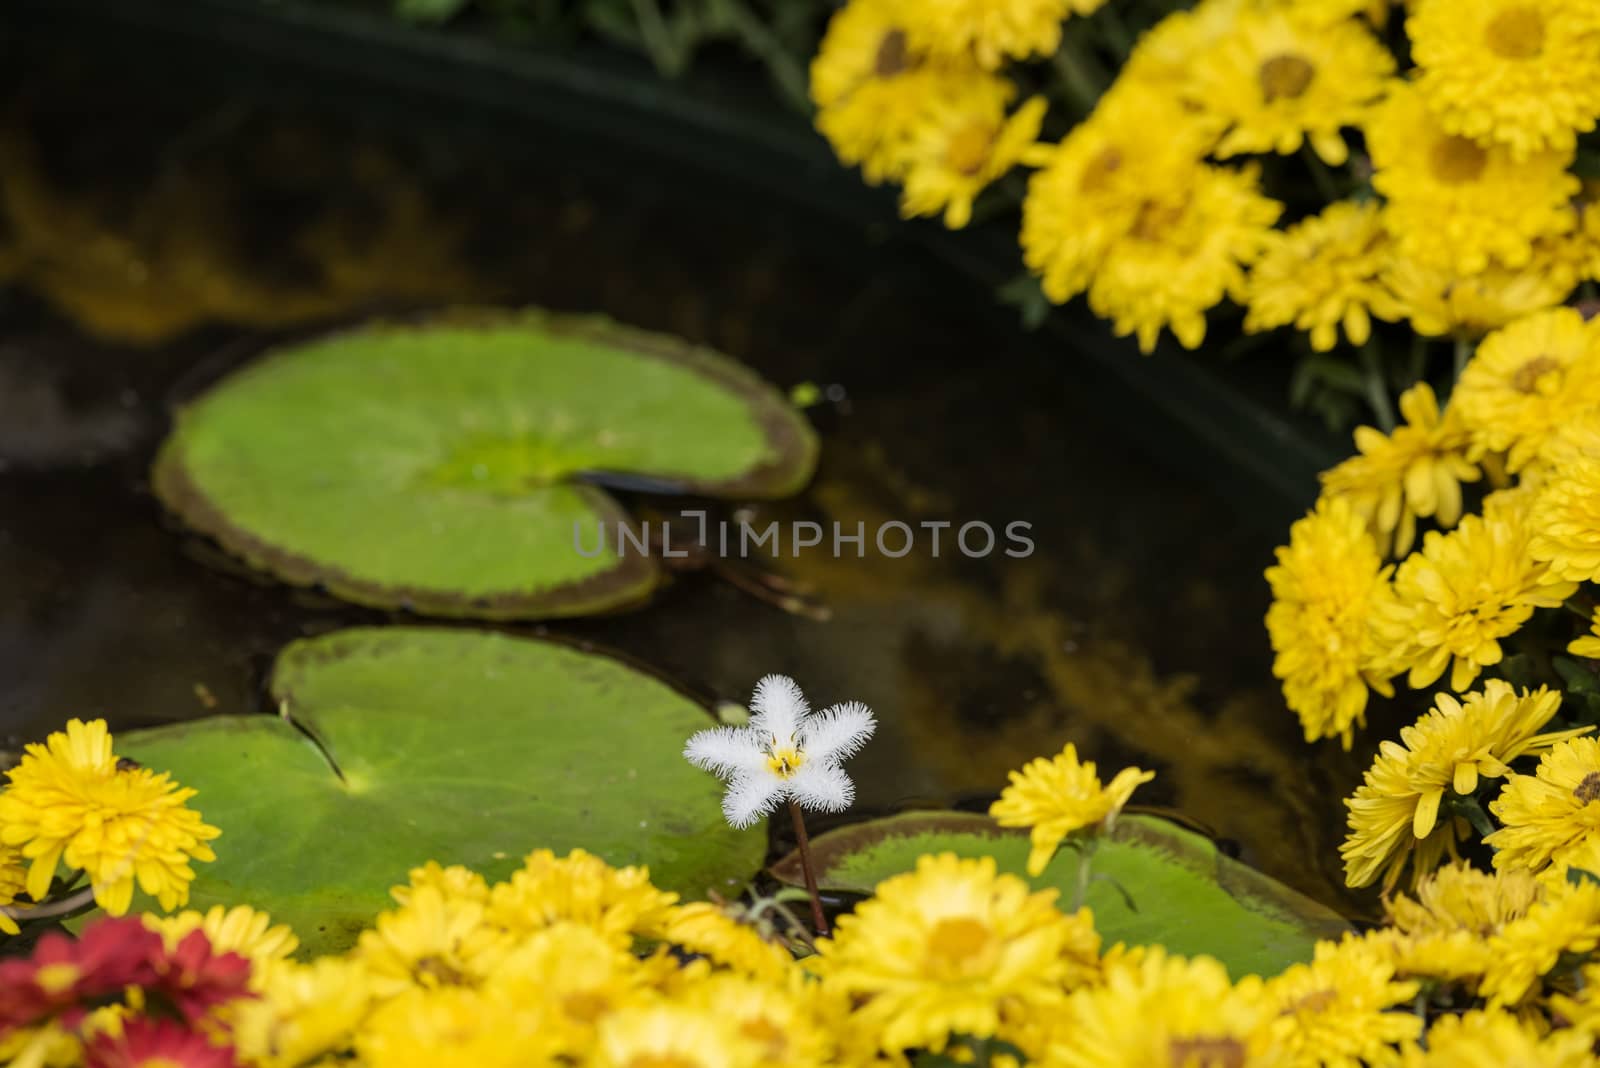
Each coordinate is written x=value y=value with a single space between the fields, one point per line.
x=153 y=236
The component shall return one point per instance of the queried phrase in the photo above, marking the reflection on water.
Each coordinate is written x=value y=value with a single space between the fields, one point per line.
x=148 y=245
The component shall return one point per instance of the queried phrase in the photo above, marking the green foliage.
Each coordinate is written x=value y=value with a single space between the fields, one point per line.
x=450 y=468
x=400 y=743
x=1161 y=885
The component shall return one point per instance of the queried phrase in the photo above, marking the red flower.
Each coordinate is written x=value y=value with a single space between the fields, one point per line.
x=64 y=973
x=195 y=980
x=145 y=1043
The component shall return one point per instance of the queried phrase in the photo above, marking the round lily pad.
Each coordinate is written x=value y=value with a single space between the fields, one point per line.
x=404 y=744
x=1154 y=884
x=451 y=467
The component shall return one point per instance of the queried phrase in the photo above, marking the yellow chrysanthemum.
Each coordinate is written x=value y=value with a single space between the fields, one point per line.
x=1395 y=812
x=1548 y=815
x=1057 y=796
x=869 y=87
x=1334 y=1010
x=1453 y=203
x=621 y=903
x=1528 y=380
x=1183 y=257
x=454 y=882
x=1166 y=56
x=13 y=878
x=1441 y=301
x=577 y=975
x=779 y=1019
x=1462 y=898
x=241 y=929
x=50 y=1045
x=1522 y=73
x=1161 y=1010
x=1278 y=80
x=304 y=1012
x=431 y=941
x=1566 y=519
x=1467 y=589
x=1493 y=1039
x=991 y=31
x=963 y=141
x=701 y=927
x=946 y=949
x=1565 y=920
x=69 y=801
x=1442 y=933
x=672 y=1036
x=1323 y=273
x=1137 y=154
x=1326 y=588
x=1327 y=12
x=452 y=1027
x=1415 y=472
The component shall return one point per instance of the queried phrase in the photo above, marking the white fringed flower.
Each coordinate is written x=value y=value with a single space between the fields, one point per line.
x=787 y=752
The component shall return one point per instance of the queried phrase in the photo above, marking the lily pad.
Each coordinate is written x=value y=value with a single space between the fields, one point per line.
x=452 y=468
x=1184 y=894
x=404 y=744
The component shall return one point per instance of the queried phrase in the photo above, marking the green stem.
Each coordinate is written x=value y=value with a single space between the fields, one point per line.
x=1080 y=892
x=819 y=920
x=1082 y=87
x=1469 y=807
x=788 y=73
x=1464 y=348
x=1327 y=184
x=1377 y=391
x=658 y=38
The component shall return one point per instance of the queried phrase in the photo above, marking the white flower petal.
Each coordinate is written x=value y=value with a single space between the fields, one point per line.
x=726 y=751
x=778 y=707
x=822 y=787
x=836 y=733
x=751 y=797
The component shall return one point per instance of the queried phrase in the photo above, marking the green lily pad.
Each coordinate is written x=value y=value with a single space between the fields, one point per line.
x=1185 y=894
x=451 y=745
x=448 y=468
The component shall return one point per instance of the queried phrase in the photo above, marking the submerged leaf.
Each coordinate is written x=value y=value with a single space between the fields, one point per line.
x=410 y=744
x=453 y=468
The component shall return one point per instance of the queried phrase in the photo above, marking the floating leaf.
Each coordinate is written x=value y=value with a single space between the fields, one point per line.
x=451 y=745
x=1184 y=894
x=452 y=468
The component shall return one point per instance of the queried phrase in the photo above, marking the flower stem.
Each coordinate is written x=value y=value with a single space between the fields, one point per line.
x=66 y=906
x=818 y=920
x=1080 y=893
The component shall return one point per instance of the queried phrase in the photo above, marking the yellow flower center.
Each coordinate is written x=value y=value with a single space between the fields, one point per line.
x=764 y=1032
x=1316 y=1001
x=1516 y=32
x=660 y=1060
x=959 y=945
x=1531 y=374
x=1201 y=1052
x=1458 y=160
x=585 y=1006
x=892 y=56
x=436 y=971
x=969 y=147
x=1098 y=174
x=1155 y=220
x=784 y=761
x=54 y=978
x=1285 y=77
x=1589 y=789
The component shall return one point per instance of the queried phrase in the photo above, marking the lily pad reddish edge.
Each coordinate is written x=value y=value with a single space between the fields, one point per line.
x=627 y=584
